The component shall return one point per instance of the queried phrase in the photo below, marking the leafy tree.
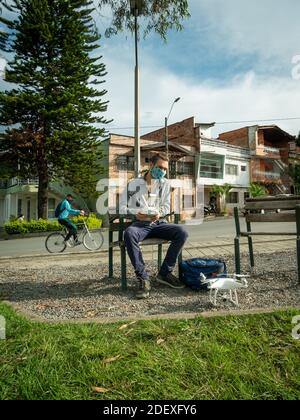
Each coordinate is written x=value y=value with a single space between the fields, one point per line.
x=222 y=192
x=157 y=15
x=298 y=140
x=51 y=112
x=257 y=190
x=295 y=175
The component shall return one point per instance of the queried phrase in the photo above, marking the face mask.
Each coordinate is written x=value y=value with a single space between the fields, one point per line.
x=158 y=173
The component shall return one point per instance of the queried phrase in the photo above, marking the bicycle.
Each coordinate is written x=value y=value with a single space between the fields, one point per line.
x=91 y=240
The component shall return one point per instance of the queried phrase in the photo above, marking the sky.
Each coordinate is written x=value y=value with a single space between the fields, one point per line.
x=234 y=61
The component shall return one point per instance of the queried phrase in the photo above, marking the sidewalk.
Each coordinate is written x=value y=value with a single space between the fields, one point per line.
x=216 y=248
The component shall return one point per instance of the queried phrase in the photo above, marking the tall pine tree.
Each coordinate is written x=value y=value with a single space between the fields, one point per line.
x=52 y=112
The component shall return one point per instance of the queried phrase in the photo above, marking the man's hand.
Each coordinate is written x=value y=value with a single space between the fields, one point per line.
x=82 y=213
x=146 y=218
x=155 y=218
x=142 y=217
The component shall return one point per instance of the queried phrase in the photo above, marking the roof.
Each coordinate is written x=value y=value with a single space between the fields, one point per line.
x=162 y=145
x=275 y=127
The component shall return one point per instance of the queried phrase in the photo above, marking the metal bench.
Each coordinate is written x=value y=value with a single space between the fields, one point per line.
x=119 y=224
x=265 y=209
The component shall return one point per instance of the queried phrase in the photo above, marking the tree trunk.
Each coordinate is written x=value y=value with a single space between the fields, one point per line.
x=43 y=183
x=43 y=195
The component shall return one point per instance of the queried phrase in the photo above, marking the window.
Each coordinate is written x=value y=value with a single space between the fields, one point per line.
x=172 y=169
x=232 y=170
x=244 y=168
x=19 y=207
x=212 y=167
x=246 y=195
x=188 y=202
x=233 y=198
x=125 y=163
x=51 y=208
x=185 y=168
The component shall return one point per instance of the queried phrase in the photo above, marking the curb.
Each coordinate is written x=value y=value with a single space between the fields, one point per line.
x=158 y=317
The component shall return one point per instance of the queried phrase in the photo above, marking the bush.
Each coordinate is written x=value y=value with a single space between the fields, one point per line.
x=91 y=221
x=41 y=225
x=16 y=227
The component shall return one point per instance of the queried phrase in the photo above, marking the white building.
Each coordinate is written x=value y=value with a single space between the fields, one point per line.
x=222 y=163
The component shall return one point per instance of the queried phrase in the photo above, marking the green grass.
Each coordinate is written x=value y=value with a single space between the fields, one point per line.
x=246 y=357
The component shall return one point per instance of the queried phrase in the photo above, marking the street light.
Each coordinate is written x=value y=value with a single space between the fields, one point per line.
x=136 y=7
x=166 y=130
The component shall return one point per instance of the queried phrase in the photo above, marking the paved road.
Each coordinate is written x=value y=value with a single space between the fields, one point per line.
x=207 y=232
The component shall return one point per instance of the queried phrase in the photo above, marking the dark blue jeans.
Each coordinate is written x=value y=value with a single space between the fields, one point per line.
x=72 y=229
x=139 y=231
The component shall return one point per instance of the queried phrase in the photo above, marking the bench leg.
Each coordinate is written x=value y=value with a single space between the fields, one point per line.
x=110 y=255
x=179 y=266
x=123 y=267
x=298 y=258
x=250 y=244
x=298 y=239
x=237 y=255
x=159 y=257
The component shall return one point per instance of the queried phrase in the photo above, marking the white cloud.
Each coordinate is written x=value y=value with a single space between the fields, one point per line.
x=2 y=66
x=246 y=97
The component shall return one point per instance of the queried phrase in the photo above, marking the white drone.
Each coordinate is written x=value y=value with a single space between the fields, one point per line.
x=238 y=281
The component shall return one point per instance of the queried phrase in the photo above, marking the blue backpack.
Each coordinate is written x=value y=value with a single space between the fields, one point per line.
x=211 y=268
x=58 y=210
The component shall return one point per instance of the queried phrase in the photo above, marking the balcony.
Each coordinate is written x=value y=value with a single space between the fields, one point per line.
x=20 y=182
x=16 y=182
x=267 y=177
x=268 y=152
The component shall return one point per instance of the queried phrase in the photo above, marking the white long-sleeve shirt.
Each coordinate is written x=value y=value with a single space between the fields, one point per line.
x=138 y=197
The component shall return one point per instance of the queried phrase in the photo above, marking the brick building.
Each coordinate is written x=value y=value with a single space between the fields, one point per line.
x=272 y=151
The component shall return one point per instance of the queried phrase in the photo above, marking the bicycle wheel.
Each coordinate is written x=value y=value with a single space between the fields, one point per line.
x=93 y=240
x=55 y=243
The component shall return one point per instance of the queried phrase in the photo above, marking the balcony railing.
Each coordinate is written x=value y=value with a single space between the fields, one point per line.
x=267 y=175
x=267 y=151
x=16 y=181
x=211 y=174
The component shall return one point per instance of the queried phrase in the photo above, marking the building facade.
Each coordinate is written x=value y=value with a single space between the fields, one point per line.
x=194 y=157
x=272 y=151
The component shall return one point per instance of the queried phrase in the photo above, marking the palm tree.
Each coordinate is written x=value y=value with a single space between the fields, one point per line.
x=222 y=192
x=257 y=190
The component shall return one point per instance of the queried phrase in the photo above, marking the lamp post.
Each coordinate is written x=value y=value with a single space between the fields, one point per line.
x=167 y=133
x=136 y=7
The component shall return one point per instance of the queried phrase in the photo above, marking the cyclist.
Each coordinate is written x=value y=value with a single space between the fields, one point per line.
x=63 y=211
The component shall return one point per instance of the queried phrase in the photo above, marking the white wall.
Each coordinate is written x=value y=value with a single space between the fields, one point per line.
x=2 y=218
x=9 y=206
x=233 y=156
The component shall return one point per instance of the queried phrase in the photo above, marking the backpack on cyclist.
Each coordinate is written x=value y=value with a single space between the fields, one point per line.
x=58 y=210
x=211 y=268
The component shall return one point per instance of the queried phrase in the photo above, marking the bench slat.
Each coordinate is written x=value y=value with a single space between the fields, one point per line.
x=273 y=217
x=146 y=242
x=272 y=205
x=273 y=198
x=268 y=234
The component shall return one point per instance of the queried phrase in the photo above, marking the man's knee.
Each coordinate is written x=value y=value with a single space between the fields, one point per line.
x=130 y=234
x=181 y=233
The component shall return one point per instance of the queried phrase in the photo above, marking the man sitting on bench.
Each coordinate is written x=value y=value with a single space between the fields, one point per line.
x=148 y=199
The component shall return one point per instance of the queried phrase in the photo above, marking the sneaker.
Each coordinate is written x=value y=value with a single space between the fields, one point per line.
x=144 y=289
x=76 y=243
x=170 y=280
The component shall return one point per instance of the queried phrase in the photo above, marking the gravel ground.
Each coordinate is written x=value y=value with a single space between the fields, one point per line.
x=85 y=291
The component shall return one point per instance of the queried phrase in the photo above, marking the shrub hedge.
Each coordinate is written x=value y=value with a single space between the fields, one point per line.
x=41 y=225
